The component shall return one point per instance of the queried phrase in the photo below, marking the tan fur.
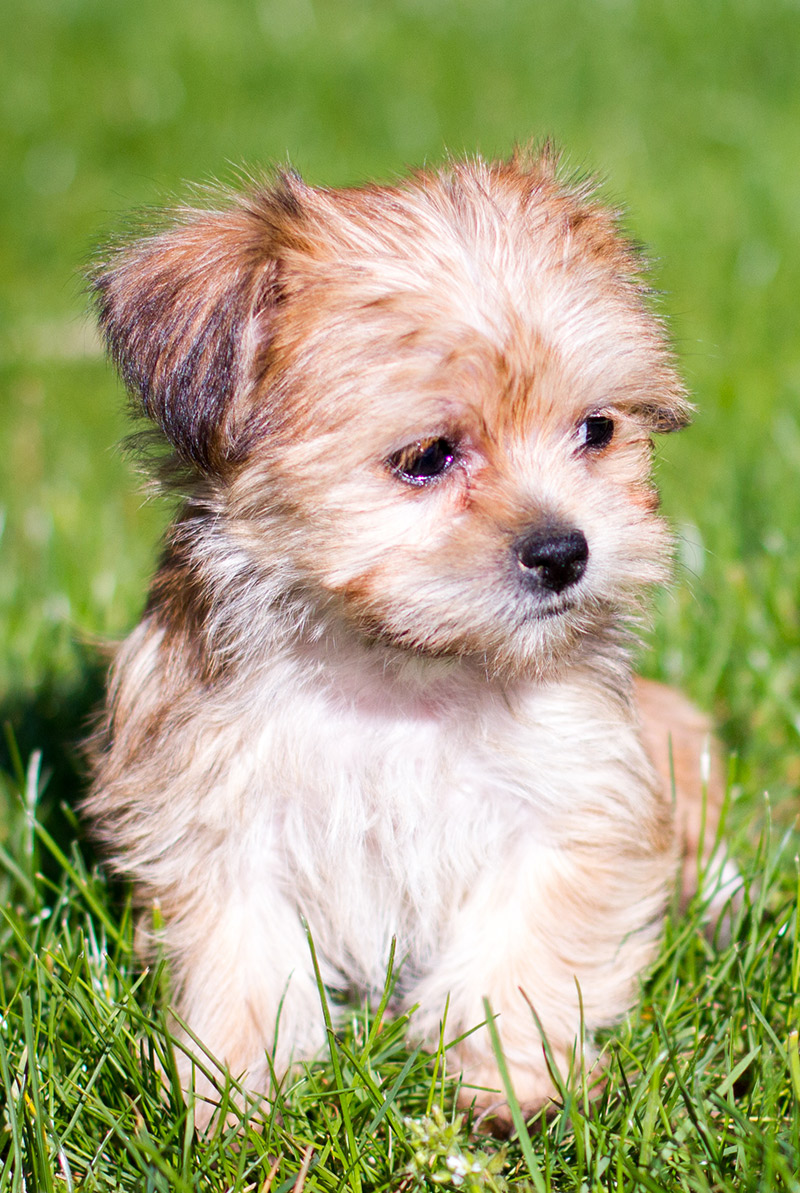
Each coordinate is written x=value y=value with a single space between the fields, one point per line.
x=680 y=742
x=362 y=698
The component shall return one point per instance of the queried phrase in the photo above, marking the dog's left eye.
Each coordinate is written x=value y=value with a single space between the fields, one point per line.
x=423 y=461
x=596 y=431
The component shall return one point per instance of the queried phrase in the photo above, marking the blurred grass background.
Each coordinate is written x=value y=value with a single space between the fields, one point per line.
x=690 y=110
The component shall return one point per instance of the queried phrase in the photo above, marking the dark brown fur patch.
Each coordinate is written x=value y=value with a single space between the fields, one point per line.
x=177 y=311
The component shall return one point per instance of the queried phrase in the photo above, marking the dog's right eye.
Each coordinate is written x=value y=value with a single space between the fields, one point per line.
x=423 y=461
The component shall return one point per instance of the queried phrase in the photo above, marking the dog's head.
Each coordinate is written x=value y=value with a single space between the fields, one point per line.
x=433 y=401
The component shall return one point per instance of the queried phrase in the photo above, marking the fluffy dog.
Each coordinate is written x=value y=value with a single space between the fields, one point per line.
x=382 y=683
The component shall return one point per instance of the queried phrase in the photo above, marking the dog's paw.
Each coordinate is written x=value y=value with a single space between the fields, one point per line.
x=534 y=1087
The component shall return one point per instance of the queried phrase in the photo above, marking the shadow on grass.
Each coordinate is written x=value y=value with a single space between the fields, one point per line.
x=56 y=720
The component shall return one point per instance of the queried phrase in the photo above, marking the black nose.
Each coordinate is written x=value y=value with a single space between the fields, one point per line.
x=552 y=559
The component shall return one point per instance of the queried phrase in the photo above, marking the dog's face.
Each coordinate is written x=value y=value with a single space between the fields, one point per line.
x=435 y=402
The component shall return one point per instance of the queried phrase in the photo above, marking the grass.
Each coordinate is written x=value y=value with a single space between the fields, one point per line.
x=693 y=113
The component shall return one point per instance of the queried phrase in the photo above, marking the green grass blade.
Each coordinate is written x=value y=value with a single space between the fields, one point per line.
x=516 y=1112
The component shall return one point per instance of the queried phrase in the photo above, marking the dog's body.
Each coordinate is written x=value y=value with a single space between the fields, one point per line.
x=382 y=682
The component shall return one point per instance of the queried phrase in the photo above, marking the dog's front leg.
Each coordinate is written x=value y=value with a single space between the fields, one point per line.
x=555 y=939
x=244 y=985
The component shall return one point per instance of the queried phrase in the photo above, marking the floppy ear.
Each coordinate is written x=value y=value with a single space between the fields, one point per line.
x=672 y=415
x=185 y=314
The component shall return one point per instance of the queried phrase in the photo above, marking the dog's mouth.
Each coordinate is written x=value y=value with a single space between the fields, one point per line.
x=548 y=612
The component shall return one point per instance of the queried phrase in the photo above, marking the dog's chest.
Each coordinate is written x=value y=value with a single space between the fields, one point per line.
x=392 y=802
x=381 y=821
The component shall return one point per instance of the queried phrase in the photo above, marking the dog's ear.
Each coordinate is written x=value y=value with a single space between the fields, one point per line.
x=673 y=413
x=186 y=315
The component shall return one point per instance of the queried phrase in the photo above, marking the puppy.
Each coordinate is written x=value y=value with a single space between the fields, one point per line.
x=382 y=683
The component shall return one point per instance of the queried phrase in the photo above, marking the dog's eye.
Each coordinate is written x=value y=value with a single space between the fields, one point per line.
x=423 y=461
x=596 y=431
